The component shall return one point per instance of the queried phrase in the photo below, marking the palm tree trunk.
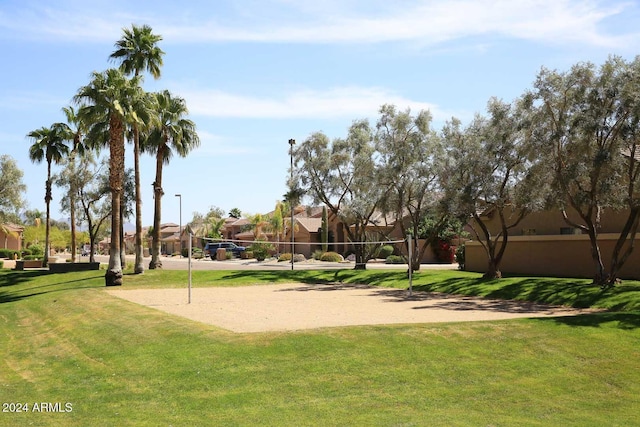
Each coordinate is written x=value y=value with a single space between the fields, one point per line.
x=139 y=267
x=74 y=244
x=157 y=207
x=113 y=276
x=47 y=227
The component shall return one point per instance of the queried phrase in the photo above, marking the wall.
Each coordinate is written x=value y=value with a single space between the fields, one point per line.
x=558 y=256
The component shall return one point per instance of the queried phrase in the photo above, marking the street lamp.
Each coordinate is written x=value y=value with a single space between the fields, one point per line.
x=291 y=144
x=180 y=229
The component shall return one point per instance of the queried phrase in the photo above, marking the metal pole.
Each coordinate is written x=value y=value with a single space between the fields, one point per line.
x=293 y=252
x=409 y=240
x=189 y=249
x=180 y=229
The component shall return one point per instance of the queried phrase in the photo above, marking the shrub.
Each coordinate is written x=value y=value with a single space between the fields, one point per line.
x=331 y=257
x=460 y=257
x=299 y=258
x=261 y=250
x=9 y=253
x=385 y=251
x=394 y=259
x=285 y=257
x=36 y=249
x=1 y=264
x=317 y=254
x=31 y=257
x=444 y=252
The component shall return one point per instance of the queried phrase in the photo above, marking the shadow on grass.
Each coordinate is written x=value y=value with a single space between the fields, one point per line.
x=20 y=278
x=577 y=293
x=626 y=321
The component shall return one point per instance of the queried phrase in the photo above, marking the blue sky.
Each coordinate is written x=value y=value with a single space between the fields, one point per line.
x=256 y=73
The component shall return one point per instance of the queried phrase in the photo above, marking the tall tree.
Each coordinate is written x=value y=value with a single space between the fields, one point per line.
x=106 y=102
x=94 y=197
x=172 y=134
x=410 y=155
x=49 y=145
x=342 y=176
x=11 y=189
x=138 y=51
x=488 y=172
x=587 y=125
x=71 y=177
x=629 y=170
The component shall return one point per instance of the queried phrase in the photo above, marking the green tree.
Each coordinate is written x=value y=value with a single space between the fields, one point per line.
x=277 y=222
x=70 y=177
x=173 y=133
x=410 y=156
x=490 y=171
x=11 y=189
x=342 y=176
x=138 y=51
x=95 y=202
x=587 y=126
x=106 y=102
x=235 y=213
x=49 y=144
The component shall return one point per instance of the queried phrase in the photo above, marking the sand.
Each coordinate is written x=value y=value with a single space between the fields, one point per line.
x=290 y=307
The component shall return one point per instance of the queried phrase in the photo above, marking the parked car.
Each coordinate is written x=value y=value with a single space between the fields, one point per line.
x=211 y=248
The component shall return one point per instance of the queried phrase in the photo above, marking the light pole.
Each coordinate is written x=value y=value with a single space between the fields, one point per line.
x=180 y=229
x=291 y=144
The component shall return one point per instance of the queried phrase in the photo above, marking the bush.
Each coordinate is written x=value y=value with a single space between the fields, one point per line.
x=36 y=249
x=260 y=250
x=287 y=257
x=331 y=257
x=460 y=257
x=317 y=254
x=1 y=264
x=31 y=257
x=394 y=259
x=9 y=253
x=444 y=252
x=384 y=251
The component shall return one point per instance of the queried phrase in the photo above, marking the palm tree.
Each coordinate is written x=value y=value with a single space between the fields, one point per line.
x=106 y=106
x=137 y=50
x=173 y=133
x=49 y=143
x=74 y=128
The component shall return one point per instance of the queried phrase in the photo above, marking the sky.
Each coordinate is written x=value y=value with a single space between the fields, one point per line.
x=256 y=73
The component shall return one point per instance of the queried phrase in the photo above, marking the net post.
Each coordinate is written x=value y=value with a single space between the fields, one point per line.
x=410 y=250
x=189 y=249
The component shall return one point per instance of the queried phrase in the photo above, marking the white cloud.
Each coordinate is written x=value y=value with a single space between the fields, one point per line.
x=426 y=22
x=216 y=145
x=341 y=102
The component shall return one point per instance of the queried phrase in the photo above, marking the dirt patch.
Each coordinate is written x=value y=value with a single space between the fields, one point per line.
x=288 y=307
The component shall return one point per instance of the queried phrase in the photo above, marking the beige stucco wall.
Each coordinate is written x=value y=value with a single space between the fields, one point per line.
x=560 y=256
x=8 y=241
x=550 y=222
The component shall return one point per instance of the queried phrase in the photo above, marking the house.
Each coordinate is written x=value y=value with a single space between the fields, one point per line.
x=543 y=244
x=11 y=236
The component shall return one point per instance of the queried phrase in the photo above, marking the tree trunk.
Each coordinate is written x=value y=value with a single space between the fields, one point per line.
x=113 y=276
x=619 y=257
x=47 y=200
x=157 y=190
x=138 y=266
x=72 y=204
x=493 y=272
x=600 y=275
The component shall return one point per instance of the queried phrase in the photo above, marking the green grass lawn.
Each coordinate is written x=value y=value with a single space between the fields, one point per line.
x=64 y=340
